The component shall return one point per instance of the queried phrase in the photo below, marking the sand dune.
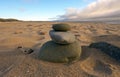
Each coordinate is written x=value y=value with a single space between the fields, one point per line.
x=92 y=63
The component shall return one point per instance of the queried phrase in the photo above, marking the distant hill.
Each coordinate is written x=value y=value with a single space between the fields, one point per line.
x=8 y=20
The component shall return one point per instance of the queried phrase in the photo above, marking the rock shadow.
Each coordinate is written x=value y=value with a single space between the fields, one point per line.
x=85 y=53
x=109 y=49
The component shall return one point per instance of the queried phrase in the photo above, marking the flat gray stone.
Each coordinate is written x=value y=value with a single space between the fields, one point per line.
x=62 y=37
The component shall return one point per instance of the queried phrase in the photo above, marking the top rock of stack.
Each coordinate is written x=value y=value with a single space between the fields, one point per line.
x=61 y=27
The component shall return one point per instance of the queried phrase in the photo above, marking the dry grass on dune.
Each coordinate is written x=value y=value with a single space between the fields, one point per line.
x=92 y=63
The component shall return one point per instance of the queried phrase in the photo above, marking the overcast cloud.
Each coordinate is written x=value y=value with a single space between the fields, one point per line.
x=98 y=10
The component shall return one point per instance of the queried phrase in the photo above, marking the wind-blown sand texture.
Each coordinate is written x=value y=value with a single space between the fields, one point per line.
x=92 y=63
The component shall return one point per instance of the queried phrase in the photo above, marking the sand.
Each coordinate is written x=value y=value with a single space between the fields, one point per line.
x=92 y=63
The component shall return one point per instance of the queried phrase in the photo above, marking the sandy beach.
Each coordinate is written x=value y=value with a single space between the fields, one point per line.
x=92 y=63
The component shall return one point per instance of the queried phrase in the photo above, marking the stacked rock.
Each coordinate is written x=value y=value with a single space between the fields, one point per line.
x=63 y=47
x=61 y=34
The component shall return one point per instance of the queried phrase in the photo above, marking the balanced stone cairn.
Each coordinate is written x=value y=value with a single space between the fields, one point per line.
x=63 y=47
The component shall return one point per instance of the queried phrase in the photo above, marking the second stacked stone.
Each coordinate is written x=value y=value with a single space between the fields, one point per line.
x=61 y=34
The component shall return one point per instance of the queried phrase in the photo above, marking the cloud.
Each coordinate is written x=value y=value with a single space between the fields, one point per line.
x=97 y=10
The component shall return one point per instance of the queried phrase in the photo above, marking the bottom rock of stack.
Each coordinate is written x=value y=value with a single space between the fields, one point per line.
x=53 y=52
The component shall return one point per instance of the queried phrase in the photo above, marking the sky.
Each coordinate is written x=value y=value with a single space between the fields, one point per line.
x=69 y=10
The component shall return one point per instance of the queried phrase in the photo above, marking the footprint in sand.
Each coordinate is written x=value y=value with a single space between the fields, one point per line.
x=103 y=68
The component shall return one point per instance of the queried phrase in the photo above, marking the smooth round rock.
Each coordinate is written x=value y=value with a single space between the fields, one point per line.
x=61 y=27
x=62 y=37
x=54 y=52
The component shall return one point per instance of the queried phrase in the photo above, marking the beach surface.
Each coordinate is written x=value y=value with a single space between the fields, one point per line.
x=92 y=63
